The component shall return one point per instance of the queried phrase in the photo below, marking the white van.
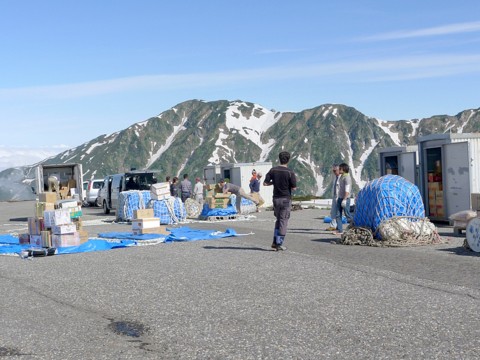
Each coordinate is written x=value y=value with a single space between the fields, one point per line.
x=113 y=185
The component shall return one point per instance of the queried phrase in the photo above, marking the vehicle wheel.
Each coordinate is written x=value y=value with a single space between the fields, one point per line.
x=106 y=210
x=98 y=203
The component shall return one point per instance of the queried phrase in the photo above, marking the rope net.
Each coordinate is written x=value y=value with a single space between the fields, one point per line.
x=389 y=212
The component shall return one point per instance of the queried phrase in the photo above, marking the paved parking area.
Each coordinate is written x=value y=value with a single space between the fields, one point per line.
x=233 y=298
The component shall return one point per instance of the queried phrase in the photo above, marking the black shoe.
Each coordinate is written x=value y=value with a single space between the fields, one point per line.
x=274 y=246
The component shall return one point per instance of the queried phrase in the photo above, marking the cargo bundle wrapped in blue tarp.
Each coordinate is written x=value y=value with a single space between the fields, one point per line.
x=170 y=210
x=387 y=197
x=128 y=201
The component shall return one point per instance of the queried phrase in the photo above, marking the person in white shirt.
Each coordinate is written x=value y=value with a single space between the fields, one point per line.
x=198 y=190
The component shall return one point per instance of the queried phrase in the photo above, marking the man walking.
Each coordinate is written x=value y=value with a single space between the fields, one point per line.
x=284 y=182
x=333 y=210
x=185 y=188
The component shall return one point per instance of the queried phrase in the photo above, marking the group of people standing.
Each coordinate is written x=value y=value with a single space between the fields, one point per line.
x=184 y=188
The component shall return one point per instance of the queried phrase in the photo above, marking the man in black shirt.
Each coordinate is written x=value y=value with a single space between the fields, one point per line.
x=284 y=182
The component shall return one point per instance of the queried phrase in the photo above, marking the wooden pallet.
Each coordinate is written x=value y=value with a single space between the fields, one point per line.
x=219 y=217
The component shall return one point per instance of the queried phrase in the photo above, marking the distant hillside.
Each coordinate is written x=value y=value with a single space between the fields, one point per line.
x=195 y=133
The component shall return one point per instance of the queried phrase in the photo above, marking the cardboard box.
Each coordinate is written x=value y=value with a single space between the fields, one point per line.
x=434 y=186
x=83 y=234
x=64 y=229
x=41 y=207
x=222 y=195
x=46 y=239
x=24 y=239
x=75 y=212
x=217 y=203
x=65 y=240
x=78 y=223
x=67 y=204
x=146 y=223
x=63 y=192
x=155 y=230
x=439 y=198
x=57 y=217
x=143 y=214
x=35 y=225
x=440 y=210
x=160 y=188
x=48 y=197
x=36 y=240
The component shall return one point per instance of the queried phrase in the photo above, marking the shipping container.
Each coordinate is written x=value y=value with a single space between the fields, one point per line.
x=400 y=160
x=449 y=172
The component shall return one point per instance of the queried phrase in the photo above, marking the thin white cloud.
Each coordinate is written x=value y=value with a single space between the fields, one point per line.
x=459 y=28
x=21 y=156
x=395 y=68
x=279 y=51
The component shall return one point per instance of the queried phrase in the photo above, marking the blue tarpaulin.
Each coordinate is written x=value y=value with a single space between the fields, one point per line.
x=9 y=245
x=387 y=197
x=207 y=211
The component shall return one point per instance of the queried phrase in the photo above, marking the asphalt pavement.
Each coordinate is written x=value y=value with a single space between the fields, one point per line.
x=234 y=298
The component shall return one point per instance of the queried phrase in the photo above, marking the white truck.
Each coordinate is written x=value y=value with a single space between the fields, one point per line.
x=68 y=176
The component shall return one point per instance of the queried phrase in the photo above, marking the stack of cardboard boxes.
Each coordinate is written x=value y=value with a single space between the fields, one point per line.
x=435 y=195
x=215 y=198
x=144 y=222
x=57 y=223
x=160 y=191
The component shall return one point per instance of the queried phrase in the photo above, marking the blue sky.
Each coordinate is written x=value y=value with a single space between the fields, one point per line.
x=71 y=71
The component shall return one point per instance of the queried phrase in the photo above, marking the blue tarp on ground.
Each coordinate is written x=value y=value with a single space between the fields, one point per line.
x=9 y=244
x=207 y=211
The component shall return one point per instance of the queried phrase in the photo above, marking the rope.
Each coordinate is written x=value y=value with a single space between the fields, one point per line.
x=394 y=232
x=193 y=208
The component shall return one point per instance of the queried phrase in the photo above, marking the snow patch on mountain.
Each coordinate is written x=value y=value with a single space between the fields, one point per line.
x=356 y=172
x=460 y=129
x=168 y=142
x=415 y=125
x=307 y=162
x=266 y=148
x=219 y=145
x=251 y=127
x=385 y=126
x=331 y=109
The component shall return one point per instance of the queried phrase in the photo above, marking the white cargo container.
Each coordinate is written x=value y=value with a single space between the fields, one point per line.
x=240 y=174
x=449 y=172
x=400 y=160
x=211 y=174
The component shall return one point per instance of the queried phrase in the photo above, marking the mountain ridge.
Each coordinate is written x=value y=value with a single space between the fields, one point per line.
x=195 y=133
